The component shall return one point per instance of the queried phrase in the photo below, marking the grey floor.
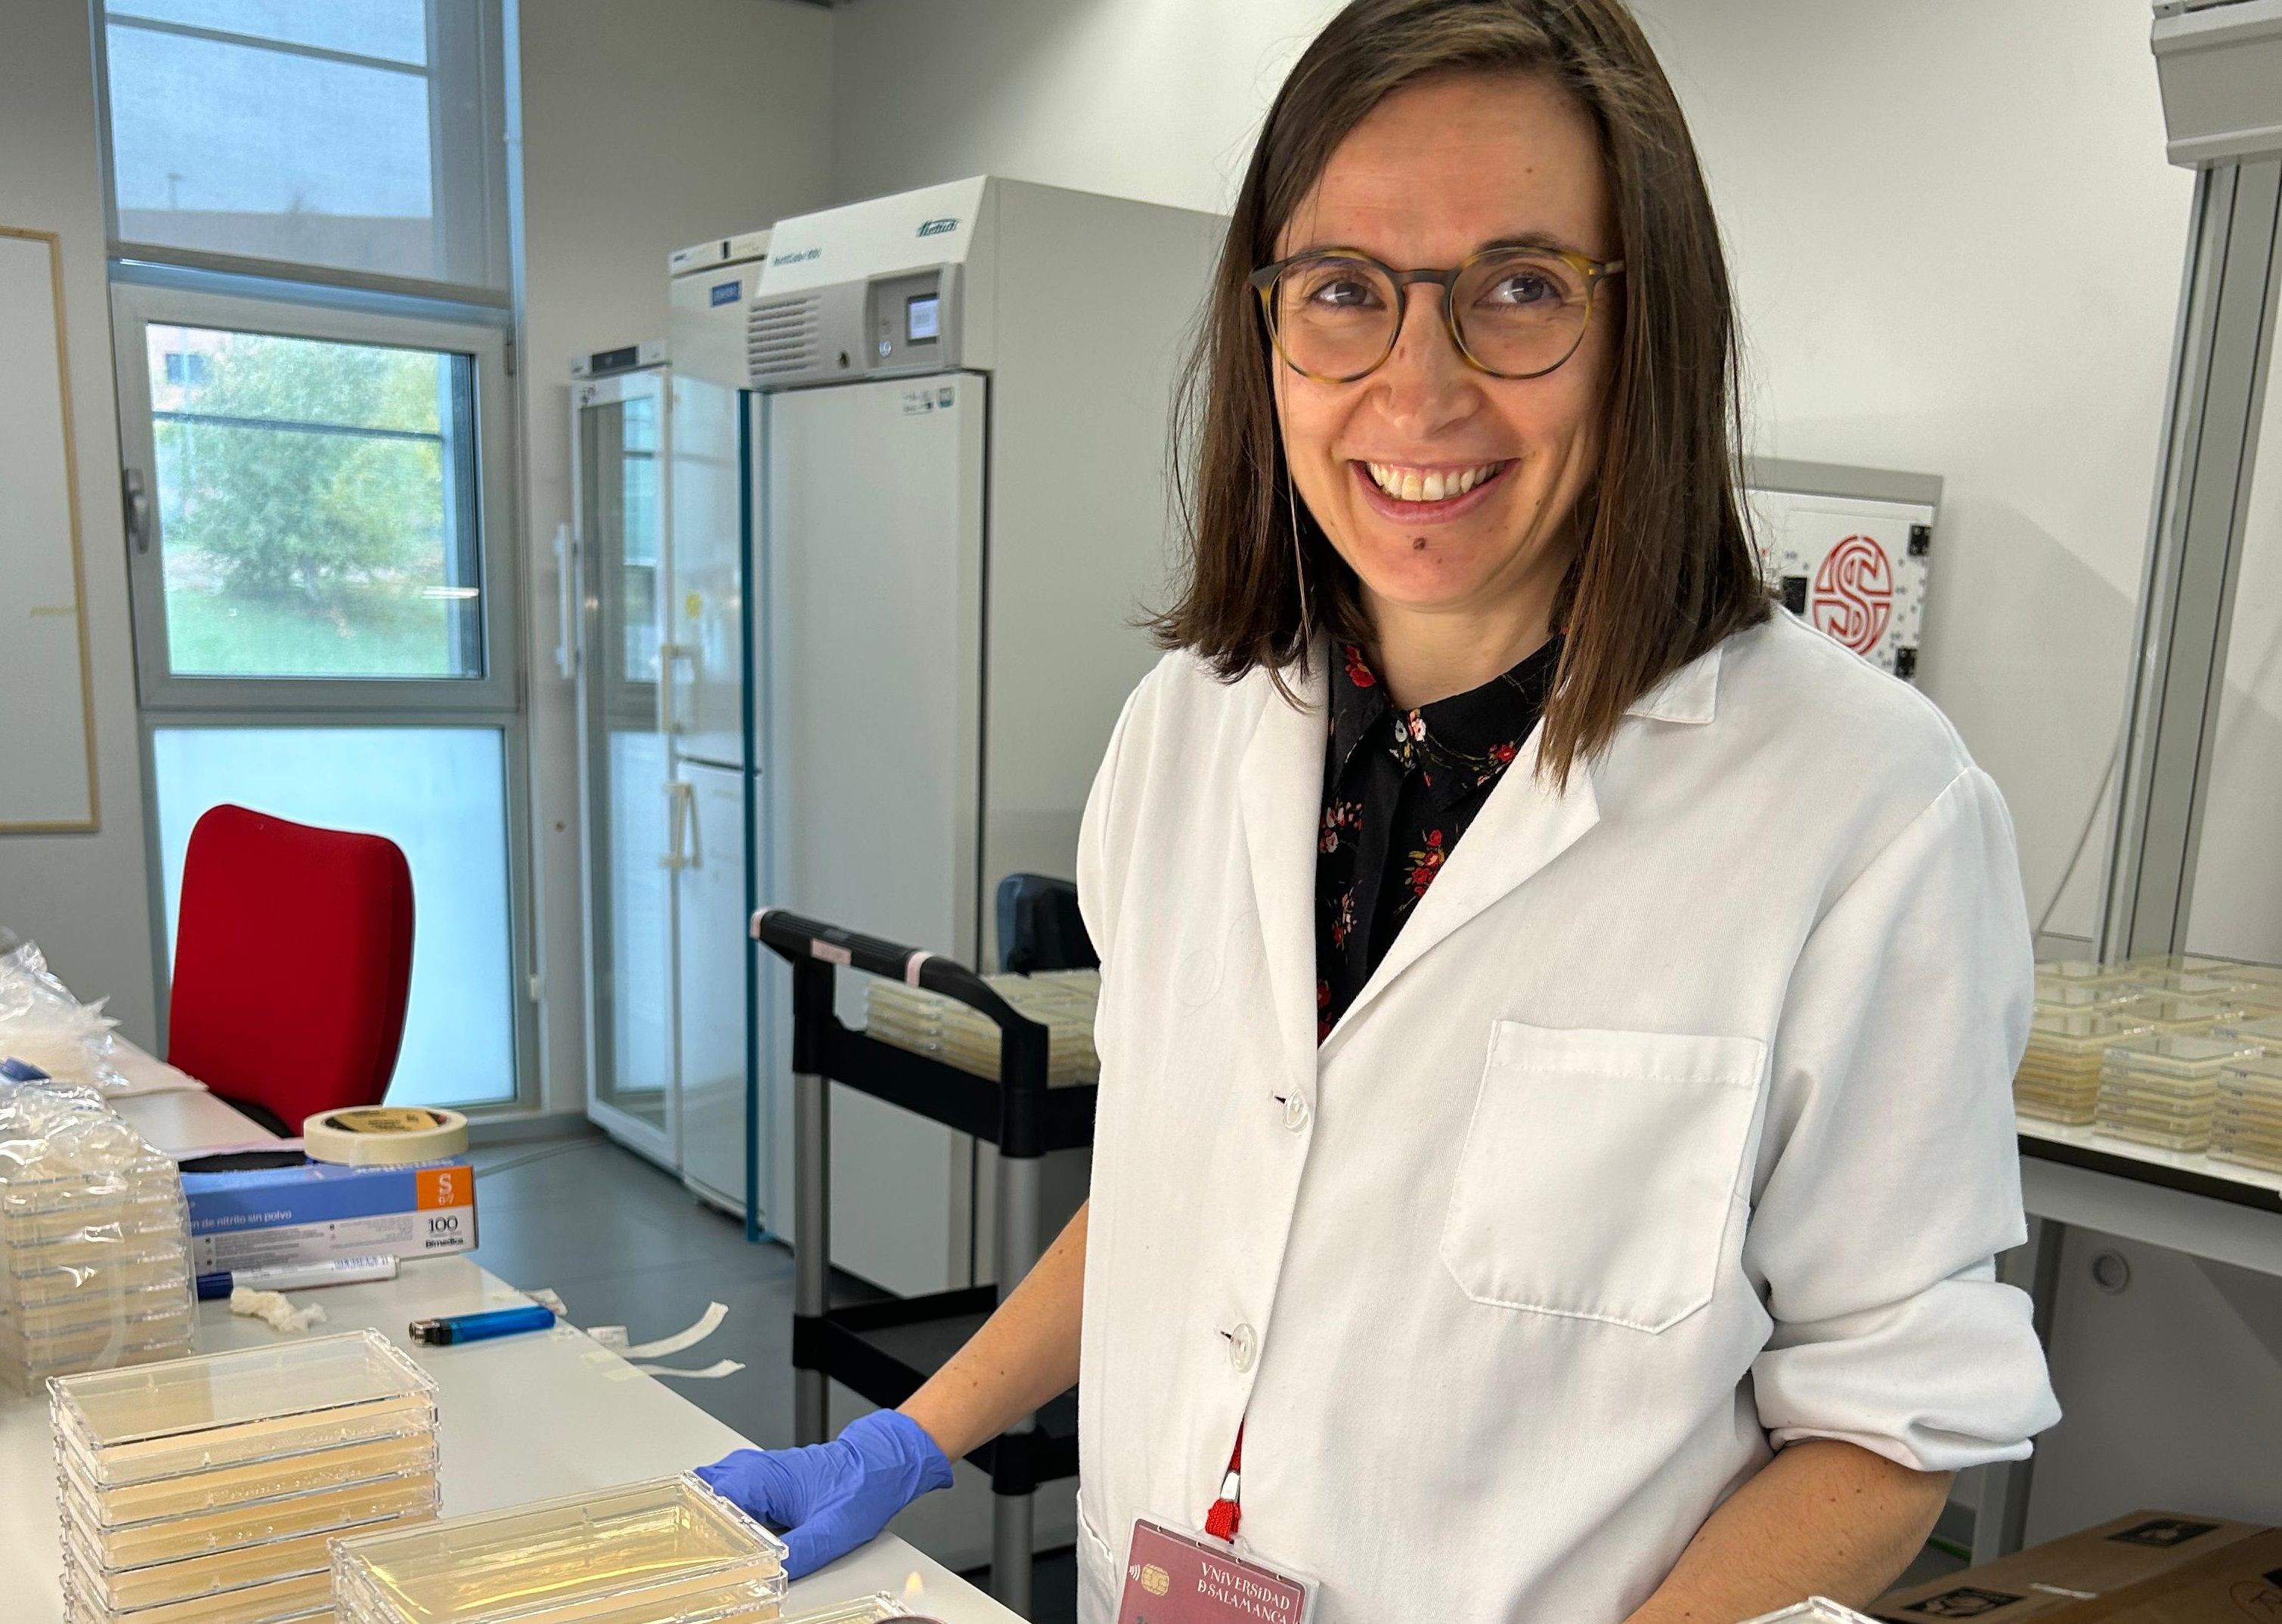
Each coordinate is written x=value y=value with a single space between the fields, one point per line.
x=623 y=1243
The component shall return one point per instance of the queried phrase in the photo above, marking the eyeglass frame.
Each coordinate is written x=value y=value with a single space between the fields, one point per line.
x=1595 y=272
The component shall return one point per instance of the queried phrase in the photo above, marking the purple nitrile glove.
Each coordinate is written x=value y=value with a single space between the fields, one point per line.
x=831 y=1498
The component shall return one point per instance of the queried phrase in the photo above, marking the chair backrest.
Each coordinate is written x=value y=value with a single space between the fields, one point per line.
x=292 y=964
x=1040 y=927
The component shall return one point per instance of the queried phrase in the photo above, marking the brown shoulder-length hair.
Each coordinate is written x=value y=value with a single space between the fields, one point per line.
x=1666 y=567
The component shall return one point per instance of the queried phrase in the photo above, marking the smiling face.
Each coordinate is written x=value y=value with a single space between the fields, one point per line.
x=1448 y=492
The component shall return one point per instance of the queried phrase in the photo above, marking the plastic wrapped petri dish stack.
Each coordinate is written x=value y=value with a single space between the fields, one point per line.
x=94 y=1250
x=927 y=1023
x=2058 y=1079
x=208 y=1490
x=2246 y=1112
x=2160 y=1089
x=667 y=1551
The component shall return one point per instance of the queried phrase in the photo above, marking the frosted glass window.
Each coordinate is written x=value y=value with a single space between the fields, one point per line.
x=440 y=794
x=310 y=132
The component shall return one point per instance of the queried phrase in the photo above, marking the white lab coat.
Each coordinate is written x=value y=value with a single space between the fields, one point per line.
x=1675 y=1125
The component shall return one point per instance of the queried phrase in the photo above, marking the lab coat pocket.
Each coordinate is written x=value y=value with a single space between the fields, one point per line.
x=1600 y=1172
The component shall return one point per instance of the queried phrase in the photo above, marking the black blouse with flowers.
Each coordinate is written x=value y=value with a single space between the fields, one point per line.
x=1400 y=788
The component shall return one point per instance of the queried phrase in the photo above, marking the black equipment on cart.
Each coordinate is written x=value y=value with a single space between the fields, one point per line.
x=884 y=1350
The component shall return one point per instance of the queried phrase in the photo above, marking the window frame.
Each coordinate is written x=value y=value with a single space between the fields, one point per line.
x=468 y=167
x=137 y=303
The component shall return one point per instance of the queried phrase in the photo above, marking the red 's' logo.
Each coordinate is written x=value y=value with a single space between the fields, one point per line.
x=1853 y=595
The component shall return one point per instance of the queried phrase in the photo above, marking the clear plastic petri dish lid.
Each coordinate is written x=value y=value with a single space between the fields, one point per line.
x=409 y=1455
x=2064 y=1032
x=245 y=1405
x=568 y=1561
x=121 y=1270
x=2182 y=1055
x=307 y=1598
x=256 y=1522
x=757 y=1601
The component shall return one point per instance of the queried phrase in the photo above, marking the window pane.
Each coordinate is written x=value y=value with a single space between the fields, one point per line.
x=441 y=794
x=312 y=134
x=316 y=506
x=395 y=30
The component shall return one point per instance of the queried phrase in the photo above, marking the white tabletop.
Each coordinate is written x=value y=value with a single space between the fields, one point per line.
x=523 y=1418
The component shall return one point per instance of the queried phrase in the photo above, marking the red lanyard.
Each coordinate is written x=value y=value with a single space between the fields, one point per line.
x=1228 y=1511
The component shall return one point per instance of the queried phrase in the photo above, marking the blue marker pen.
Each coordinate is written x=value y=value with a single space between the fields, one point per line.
x=475 y=1327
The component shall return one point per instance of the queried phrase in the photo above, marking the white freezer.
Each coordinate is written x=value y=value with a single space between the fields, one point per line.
x=873 y=544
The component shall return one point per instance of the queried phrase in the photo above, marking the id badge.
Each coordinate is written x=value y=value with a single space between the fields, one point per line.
x=1173 y=1577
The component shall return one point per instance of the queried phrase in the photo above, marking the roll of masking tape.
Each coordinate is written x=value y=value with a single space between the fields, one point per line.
x=384 y=1135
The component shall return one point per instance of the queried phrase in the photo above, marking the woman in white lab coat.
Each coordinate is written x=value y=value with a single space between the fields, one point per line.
x=1558 y=1015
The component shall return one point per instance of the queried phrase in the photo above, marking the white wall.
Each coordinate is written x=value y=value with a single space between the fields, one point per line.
x=1956 y=241
x=82 y=897
x=645 y=129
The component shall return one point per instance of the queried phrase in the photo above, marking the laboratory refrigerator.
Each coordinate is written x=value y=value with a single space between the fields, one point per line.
x=661 y=483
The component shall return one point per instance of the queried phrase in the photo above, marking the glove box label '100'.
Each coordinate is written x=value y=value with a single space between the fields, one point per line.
x=1176 y=1578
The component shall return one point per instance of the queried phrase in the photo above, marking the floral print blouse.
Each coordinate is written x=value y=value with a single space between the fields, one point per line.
x=1399 y=789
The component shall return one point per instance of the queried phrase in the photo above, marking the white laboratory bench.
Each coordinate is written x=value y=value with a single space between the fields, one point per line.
x=521 y=1418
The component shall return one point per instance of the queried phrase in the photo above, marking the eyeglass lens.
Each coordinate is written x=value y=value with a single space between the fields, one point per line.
x=1518 y=314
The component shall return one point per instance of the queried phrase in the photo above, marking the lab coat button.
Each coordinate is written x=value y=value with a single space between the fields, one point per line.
x=1295 y=1112
x=1243 y=1348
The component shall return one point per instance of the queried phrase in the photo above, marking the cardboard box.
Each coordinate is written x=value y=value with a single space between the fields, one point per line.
x=316 y=1213
x=2057 y=1578
x=2238 y=1583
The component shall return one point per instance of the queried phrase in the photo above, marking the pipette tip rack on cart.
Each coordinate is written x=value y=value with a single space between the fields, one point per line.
x=884 y=1350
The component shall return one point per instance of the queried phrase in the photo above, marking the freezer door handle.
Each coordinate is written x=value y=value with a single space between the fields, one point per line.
x=668 y=655
x=566 y=597
x=680 y=802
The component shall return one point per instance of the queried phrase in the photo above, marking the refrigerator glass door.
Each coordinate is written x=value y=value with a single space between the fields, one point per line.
x=709 y=920
x=620 y=438
x=704 y=664
x=872 y=571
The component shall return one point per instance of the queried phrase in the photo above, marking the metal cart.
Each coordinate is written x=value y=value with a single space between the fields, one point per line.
x=884 y=1350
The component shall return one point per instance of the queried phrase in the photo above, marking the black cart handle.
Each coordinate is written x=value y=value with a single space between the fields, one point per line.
x=792 y=938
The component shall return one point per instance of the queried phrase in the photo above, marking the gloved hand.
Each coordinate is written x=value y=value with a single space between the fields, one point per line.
x=831 y=1498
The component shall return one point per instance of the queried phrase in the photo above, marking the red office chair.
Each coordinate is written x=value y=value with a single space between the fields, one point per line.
x=292 y=962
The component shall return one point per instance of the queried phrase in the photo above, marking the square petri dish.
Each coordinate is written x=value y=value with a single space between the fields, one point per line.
x=60 y=1273
x=2169 y=1056
x=195 y=1577
x=410 y=1455
x=587 y=1559
x=173 y=1539
x=246 y=1404
x=307 y=1598
x=759 y=1601
x=31 y=1356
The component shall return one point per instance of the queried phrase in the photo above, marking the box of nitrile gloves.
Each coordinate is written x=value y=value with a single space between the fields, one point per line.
x=320 y=1211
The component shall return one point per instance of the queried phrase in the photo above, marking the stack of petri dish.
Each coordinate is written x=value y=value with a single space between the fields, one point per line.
x=2247 y=1108
x=666 y=1552
x=94 y=1249
x=928 y=1022
x=2161 y=1087
x=206 y=1491
x=2058 y=1079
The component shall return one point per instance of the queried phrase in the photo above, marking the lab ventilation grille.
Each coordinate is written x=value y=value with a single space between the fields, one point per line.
x=780 y=338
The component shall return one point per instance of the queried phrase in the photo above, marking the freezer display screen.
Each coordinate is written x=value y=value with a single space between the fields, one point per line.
x=922 y=318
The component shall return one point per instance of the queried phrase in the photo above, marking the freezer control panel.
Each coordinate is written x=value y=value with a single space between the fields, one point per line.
x=882 y=327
